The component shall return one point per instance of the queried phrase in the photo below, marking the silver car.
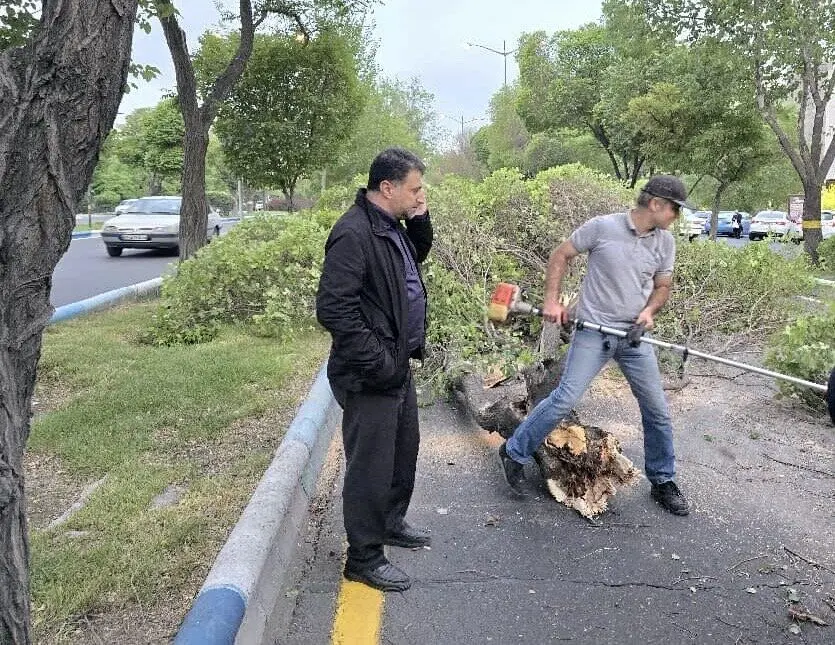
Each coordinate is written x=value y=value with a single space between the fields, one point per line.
x=827 y=224
x=150 y=223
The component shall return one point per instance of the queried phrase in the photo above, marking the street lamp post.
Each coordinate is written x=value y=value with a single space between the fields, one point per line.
x=504 y=53
x=462 y=122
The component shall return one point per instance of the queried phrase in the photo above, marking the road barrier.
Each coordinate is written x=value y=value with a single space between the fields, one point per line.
x=107 y=299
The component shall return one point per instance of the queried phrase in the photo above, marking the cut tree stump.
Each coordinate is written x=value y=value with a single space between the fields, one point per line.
x=582 y=466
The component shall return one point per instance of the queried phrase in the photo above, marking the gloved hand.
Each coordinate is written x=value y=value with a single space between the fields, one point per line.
x=634 y=333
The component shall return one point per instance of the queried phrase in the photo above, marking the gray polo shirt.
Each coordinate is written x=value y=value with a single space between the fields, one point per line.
x=622 y=266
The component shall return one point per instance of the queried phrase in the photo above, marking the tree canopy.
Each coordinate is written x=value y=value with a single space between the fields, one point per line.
x=292 y=109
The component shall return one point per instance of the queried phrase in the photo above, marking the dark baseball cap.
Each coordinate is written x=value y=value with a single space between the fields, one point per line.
x=668 y=187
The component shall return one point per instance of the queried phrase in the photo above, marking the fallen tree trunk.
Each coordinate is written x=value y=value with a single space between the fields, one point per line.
x=582 y=466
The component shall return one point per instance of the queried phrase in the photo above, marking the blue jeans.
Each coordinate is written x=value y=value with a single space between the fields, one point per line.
x=587 y=355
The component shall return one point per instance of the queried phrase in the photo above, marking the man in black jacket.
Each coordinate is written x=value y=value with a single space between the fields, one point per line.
x=372 y=300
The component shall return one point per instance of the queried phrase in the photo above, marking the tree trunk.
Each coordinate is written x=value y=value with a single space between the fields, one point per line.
x=194 y=211
x=59 y=98
x=714 y=215
x=812 y=213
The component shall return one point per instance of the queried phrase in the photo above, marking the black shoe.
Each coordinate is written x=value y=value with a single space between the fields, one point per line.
x=670 y=497
x=408 y=537
x=514 y=472
x=385 y=577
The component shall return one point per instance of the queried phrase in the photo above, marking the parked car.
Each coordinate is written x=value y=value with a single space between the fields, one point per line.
x=775 y=222
x=725 y=227
x=124 y=206
x=150 y=223
x=827 y=224
x=691 y=225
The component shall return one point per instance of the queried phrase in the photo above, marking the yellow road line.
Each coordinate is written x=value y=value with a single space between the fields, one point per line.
x=359 y=612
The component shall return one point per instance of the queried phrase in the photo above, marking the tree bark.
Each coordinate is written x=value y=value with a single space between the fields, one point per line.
x=59 y=95
x=812 y=213
x=717 y=205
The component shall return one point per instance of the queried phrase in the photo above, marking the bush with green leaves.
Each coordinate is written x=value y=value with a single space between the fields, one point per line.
x=826 y=254
x=805 y=349
x=731 y=297
x=223 y=201
x=263 y=273
x=504 y=228
x=500 y=230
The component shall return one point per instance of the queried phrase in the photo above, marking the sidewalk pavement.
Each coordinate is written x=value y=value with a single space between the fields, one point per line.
x=761 y=535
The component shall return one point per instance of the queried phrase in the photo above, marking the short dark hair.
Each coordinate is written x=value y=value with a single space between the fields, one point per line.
x=643 y=199
x=393 y=164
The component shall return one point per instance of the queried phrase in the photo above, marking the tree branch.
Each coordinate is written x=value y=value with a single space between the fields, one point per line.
x=223 y=84
x=770 y=118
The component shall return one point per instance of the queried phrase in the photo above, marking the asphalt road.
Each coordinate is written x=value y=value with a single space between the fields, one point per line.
x=86 y=270
x=758 y=545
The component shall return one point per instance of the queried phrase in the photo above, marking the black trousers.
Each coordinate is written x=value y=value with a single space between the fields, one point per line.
x=381 y=437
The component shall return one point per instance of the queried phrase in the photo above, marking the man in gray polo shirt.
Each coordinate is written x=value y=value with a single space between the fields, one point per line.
x=628 y=280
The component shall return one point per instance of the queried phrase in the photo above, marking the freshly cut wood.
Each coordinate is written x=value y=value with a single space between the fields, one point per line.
x=583 y=466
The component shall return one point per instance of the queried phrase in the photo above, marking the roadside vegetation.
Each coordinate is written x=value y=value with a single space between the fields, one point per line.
x=199 y=421
x=263 y=275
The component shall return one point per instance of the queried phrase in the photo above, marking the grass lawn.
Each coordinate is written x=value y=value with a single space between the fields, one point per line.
x=200 y=420
x=83 y=228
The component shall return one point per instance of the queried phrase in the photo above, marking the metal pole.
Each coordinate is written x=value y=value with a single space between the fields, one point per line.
x=725 y=361
x=504 y=55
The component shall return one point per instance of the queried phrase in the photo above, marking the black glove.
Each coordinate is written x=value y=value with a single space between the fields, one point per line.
x=634 y=333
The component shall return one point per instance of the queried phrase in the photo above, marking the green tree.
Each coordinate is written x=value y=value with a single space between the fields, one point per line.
x=562 y=80
x=163 y=144
x=292 y=109
x=701 y=123
x=395 y=113
x=788 y=48
x=61 y=92
x=504 y=140
x=295 y=16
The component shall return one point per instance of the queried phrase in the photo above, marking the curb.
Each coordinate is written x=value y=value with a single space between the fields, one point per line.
x=107 y=299
x=85 y=234
x=238 y=599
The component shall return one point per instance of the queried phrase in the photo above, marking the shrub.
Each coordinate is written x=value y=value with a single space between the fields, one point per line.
x=264 y=274
x=282 y=204
x=826 y=254
x=504 y=229
x=733 y=297
x=805 y=349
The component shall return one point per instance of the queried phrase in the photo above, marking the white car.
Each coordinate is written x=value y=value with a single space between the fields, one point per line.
x=691 y=224
x=827 y=224
x=776 y=223
x=151 y=223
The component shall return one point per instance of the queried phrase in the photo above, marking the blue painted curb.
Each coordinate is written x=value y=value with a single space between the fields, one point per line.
x=105 y=300
x=214 y=618
x=85 y=234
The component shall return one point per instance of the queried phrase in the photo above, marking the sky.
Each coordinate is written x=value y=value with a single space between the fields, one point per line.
x=424 y=39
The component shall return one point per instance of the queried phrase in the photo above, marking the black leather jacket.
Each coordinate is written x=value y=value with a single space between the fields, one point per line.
x=362 y=298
